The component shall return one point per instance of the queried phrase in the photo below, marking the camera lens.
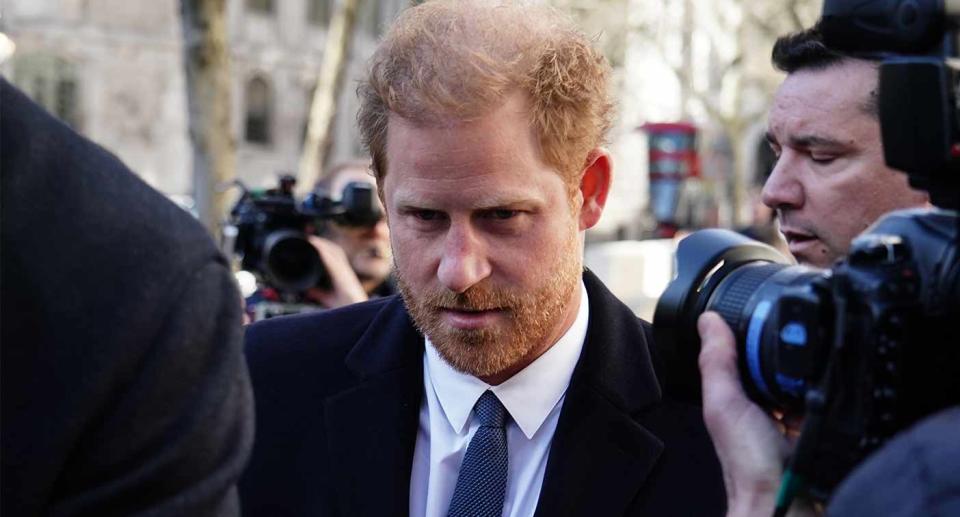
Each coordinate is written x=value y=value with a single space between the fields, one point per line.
x=290 y=261
x=747 y=283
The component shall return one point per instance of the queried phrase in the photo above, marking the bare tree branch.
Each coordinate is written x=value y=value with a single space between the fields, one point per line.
x=329 y=82
x=795 y=19
x=764 y=25
x=732 y=66
x=207 y=66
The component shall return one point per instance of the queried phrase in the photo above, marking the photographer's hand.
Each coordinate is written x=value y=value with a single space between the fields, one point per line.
x=346 y=287
x=750 y=446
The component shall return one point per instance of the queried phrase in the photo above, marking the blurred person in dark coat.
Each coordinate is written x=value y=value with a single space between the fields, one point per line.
x=124 y=388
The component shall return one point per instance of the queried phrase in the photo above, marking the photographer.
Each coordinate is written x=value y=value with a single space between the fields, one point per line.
x=324 y=251
x=829 y=184
x=356 y=254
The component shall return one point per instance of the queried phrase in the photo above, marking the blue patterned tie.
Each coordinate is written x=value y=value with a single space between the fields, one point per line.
x=482 y=481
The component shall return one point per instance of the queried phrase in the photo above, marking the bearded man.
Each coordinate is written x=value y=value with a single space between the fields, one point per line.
x=505 y=379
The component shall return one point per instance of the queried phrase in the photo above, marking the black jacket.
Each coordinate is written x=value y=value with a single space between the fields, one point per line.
x=338 y=397
x=916 y=474
x=123 y=381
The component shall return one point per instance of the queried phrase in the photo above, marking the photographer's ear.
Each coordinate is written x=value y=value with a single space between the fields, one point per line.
x=594 y=186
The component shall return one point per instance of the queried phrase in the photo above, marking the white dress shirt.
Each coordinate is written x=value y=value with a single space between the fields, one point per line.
x=533 y=398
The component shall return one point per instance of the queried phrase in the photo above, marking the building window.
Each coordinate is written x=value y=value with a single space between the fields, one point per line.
x=258 y=102
x=66 y=100
x=52 y=83
x=318 y=12
x=260 y=6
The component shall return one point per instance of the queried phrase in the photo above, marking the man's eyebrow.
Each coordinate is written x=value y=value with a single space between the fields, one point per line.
x=805 y=141
x=493 y=202
x=506 y=203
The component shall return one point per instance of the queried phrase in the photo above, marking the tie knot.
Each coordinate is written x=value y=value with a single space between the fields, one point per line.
x=489 y=410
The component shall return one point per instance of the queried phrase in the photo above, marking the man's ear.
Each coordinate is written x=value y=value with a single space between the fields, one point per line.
x=594 y=186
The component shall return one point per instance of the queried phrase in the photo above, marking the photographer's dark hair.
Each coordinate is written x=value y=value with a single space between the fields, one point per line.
x=803 y=50
x=806 y=50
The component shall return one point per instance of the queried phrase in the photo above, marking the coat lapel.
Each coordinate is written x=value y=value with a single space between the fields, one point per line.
x=600 y=455
x=372 y=427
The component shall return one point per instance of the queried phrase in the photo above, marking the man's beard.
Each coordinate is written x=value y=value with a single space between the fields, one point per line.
x=531 y=317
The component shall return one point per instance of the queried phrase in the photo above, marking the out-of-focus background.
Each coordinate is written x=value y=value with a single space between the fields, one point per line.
x=692 y=77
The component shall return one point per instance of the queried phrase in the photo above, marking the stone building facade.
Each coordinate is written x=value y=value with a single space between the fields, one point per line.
x=114 y=70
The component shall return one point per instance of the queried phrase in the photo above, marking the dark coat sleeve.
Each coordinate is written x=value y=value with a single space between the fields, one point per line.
x=175 y=438
x=124 y=386
x=916 y=474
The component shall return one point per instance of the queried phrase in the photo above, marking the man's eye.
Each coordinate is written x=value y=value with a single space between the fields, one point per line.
x=822 y=160
x=427 y=215
x=502 y=214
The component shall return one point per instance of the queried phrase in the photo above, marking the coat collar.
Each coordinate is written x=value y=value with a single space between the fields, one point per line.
x=616 y=360
x=601 y=454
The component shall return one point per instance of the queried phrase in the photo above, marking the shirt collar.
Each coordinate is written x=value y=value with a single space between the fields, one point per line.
x=528 y=396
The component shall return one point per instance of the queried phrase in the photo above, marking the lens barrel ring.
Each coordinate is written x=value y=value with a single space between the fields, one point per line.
x=734 y=292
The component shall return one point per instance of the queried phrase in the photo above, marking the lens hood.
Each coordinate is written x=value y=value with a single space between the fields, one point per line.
x=291 y=263
x=703 y=259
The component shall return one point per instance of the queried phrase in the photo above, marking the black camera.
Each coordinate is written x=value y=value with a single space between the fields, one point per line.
x=272 y=230
x=872 y=345
x=868 y=347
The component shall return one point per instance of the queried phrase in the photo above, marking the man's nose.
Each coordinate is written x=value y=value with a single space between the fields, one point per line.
x=464 y=261
x=783 y=188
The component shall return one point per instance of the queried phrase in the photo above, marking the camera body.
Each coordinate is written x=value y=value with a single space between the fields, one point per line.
x=272 y=232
